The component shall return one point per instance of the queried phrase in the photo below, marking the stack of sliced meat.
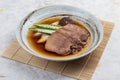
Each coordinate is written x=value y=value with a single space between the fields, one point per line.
x=67 y=40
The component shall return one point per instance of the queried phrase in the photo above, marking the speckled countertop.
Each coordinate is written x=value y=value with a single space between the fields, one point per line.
x=11 y=13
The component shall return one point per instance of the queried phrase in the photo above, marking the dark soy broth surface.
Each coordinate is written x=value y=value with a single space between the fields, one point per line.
x=40 y=47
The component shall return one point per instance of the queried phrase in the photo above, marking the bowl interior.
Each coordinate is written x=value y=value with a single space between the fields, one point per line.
x=85 y=18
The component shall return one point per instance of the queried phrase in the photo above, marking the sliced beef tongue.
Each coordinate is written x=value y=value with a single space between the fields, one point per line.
x=58 y=43
x=78 y=35
x=67 y=40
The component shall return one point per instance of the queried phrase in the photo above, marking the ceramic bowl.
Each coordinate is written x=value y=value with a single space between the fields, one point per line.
x=91 y=23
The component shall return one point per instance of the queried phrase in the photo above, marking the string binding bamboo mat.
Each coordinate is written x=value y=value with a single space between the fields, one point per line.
x=81 y=69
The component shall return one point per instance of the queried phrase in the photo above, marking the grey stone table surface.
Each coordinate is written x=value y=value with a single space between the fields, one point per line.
x=12 y=12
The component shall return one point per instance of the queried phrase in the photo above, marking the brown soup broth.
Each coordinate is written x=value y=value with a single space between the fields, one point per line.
x=39 y=47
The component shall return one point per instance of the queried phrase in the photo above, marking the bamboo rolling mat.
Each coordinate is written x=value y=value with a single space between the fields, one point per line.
x=81 y=69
